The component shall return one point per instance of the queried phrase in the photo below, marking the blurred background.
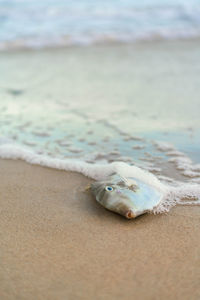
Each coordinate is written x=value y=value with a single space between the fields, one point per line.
x=34 y=24
x=103 y=81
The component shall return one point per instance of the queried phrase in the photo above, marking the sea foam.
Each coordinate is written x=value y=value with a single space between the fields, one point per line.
x=183 y=193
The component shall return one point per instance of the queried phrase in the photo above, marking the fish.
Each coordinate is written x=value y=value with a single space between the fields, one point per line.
x=128 y=197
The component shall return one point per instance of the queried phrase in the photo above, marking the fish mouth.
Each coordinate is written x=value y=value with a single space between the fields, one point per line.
x=124 y=209
x=130 y=214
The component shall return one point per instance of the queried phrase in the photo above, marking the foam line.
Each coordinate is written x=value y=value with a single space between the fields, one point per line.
x=184 y=194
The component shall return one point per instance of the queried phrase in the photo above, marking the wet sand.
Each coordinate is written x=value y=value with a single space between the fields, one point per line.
x=58 y=243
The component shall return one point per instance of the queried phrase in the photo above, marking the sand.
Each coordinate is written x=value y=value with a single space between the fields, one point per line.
x=58 y=243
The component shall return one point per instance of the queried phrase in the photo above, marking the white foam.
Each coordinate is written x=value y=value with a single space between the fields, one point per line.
x=186 y=166
x=182 y=163
x=180 y=160
x=97 y=171
x=190 y=193
x=175 y=153
x=164 y=146
x=184 y=194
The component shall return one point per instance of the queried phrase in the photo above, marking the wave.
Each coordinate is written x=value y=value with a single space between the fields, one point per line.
x=62 y=42
x=23 y=24
x=183 y=194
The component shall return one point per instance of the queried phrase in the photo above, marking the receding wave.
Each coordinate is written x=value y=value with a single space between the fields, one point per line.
x=64 y=23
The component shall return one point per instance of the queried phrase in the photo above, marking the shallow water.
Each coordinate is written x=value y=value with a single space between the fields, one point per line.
x=133 y=103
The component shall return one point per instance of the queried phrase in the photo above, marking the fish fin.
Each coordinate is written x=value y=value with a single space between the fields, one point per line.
x=130 y=181
x=87 y=188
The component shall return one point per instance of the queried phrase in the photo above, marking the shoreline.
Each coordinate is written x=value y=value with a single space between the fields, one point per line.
x=58 y=243
x=100 y=45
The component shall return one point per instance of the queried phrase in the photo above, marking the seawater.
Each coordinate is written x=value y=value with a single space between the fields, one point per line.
x=103 y=108
x=36 y=24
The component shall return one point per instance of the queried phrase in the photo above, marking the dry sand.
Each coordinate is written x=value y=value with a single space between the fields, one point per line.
x=58 y=243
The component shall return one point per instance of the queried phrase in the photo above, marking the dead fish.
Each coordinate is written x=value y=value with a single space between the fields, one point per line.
x=128 y=197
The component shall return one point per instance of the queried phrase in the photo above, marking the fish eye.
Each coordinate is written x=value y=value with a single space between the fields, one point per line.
x=109 y=188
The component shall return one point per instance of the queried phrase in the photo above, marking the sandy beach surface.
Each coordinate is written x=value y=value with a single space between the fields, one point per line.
x=58 y=243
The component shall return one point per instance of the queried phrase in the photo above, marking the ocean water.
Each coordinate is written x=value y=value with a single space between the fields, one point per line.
x=89 y=105
x=108 y=106
x=36 y=24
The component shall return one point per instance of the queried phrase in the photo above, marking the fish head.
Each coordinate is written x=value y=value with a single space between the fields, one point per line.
x=115 y=195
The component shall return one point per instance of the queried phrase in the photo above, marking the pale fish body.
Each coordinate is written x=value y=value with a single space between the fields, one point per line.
x=128 y=197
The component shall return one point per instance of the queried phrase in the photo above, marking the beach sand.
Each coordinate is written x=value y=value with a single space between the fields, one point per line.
x=58 y=243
